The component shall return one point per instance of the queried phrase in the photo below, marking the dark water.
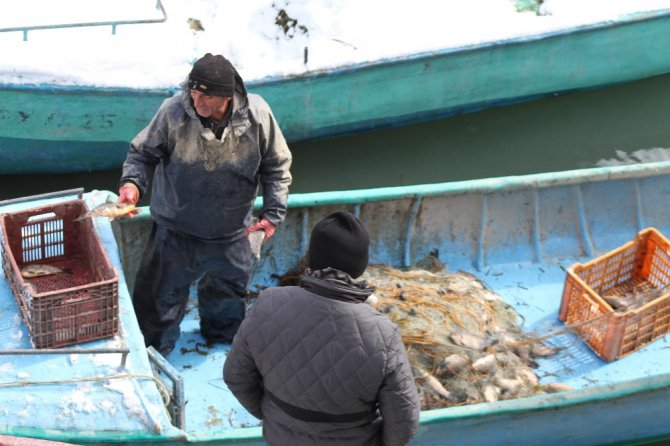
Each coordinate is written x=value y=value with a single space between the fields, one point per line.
x=617 y=124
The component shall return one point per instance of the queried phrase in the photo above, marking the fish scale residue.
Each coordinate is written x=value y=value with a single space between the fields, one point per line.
x=465 y=344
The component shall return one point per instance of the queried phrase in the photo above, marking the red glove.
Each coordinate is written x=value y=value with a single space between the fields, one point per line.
x=129 y=194
x=262 y=225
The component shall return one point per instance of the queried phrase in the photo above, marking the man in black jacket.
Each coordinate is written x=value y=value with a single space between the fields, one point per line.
x=316 y=363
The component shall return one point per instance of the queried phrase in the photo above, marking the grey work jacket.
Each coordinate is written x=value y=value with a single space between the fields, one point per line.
x=322 y=355
x=206 y=187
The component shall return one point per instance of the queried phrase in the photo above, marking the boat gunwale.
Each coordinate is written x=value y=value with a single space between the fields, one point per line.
x=483 y=185
x=604 y=392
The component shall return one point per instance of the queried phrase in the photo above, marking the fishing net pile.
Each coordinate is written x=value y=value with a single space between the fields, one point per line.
x=465 y=344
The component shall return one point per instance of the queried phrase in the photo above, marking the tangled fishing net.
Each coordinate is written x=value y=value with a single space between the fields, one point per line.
x=465 y=344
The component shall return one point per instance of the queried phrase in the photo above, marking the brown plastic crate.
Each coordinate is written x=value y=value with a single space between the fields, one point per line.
x=80 y=304
x=639 y=269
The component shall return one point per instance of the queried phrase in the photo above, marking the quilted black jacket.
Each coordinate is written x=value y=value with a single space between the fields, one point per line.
x=320 y=367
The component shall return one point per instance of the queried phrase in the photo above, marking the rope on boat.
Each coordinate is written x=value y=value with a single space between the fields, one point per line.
x=162 y=389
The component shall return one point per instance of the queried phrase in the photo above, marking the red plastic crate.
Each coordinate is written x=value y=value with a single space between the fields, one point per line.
x=639 y=269
x=80 y=304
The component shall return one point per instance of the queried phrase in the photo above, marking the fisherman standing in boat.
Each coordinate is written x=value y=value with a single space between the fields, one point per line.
x=208 y=149
x=316 y=363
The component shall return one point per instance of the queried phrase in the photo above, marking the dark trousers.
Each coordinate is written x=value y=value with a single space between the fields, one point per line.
x=171 y=262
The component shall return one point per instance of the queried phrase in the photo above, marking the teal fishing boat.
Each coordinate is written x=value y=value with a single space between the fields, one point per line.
x=519 y=235
x=58 y=129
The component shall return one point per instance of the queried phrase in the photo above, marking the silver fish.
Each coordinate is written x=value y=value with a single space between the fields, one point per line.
x=109 y=210
x=256 y=239
x=619 y=301
x=556 y=387
x=37 y=270
x=452 y=365
x=433 y=384
x=490 y=393
x=540 y=350
x=485 y=364
x=470 y=341
x=509 y=386
x=528 y=377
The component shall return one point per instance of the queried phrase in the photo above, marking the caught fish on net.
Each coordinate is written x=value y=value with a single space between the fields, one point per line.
x=465 y=344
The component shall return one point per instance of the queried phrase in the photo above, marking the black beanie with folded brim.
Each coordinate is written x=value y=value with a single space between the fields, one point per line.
x=339 y=241
x=213 y=75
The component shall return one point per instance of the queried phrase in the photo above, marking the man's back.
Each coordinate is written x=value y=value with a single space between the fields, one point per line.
x=315 y=362
x=326 y=366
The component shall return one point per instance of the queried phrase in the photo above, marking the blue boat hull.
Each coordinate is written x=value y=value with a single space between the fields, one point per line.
x=517 y=234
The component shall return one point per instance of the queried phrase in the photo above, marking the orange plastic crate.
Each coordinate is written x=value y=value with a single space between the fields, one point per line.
x=78 y=305
x=639 y=269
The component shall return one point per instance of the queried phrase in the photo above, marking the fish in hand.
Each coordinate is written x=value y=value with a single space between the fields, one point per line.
x=37 y=270
x=109 y=210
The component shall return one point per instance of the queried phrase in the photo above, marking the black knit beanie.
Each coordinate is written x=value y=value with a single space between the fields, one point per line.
x=339 y=241
x=213 y=75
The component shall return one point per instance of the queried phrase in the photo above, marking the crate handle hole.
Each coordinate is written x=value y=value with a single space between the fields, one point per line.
x=34 y=218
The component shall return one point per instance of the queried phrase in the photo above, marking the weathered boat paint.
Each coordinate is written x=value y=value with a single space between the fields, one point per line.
x=517 y=234
x=43 y=128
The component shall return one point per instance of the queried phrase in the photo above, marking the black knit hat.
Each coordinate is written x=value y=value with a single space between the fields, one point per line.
x=339 y=241
x=213 y=75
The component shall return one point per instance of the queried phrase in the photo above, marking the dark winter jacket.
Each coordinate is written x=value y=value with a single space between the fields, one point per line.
x=203 y=186
x=321 y=367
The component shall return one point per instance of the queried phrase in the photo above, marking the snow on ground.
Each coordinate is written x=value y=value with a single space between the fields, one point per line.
x=327 y=33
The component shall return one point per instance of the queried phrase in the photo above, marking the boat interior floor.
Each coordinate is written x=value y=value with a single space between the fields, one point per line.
x=537 y=299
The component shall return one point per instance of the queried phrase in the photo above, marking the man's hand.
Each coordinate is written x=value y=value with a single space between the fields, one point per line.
x=262 y=225
x=129 y=194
